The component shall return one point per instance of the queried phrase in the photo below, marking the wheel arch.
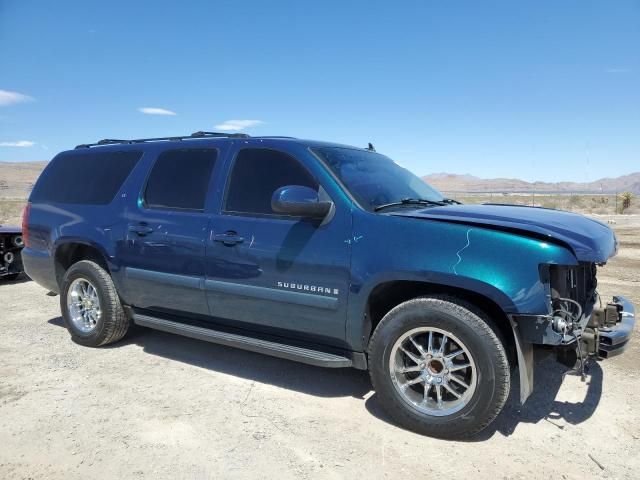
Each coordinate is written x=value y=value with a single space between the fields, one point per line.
x=68 y=252
x=386 y=295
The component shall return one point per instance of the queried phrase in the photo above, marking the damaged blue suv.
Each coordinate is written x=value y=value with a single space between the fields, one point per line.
x=325 y=254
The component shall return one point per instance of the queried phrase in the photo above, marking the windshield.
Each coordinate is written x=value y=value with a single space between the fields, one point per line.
x=374 y=179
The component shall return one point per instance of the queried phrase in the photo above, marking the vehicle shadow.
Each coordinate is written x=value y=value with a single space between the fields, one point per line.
x=344 y=382
x=317 y=381
x=542 y=404
x=23 y=278
x=549 y=376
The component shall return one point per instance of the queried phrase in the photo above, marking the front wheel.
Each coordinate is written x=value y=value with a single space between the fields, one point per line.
x=438 y=367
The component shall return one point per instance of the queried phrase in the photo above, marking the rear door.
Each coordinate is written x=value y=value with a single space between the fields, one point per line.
x=164 y=250
x=271 y=271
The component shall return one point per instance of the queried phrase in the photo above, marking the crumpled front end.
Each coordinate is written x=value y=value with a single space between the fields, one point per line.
x=577 y=312
x=580 y=323
x=614 y=326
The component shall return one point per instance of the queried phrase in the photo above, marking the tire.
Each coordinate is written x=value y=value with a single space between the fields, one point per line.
x=107 y=326
x=487 y=376
x=11 y=277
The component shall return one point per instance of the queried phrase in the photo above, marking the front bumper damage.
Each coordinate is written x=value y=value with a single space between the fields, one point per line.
x=614 y=338
x=602 y=334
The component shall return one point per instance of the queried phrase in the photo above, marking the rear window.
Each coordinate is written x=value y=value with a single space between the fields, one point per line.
x=88 y=178
x=179 y=179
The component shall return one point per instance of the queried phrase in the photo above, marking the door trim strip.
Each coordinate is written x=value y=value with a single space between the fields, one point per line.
x=251 y=291
x=187 y=281
x=273 y=294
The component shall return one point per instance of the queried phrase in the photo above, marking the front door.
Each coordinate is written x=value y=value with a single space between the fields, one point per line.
x=284 y=274
x=164 y=250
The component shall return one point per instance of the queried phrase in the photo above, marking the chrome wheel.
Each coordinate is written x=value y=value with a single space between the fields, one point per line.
x=83 y=305
x=433 y=371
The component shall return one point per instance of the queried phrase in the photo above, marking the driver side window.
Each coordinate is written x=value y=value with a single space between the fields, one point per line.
x=256 y=174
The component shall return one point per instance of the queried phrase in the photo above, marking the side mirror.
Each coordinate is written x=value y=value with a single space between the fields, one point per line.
x=299 y=201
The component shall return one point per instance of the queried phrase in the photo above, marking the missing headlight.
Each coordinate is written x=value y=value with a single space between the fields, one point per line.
x=572 y=290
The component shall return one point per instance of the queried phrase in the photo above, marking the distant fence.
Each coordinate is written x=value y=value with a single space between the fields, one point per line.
x=594 y=203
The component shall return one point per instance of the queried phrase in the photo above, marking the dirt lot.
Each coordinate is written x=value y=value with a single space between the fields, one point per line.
x=161 y=406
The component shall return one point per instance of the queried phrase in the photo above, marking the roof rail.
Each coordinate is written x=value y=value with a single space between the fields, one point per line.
x=113 y=141
x=218 y=134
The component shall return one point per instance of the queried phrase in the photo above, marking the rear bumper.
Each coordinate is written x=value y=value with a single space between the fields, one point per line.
x=614 y=339
x=40 y=268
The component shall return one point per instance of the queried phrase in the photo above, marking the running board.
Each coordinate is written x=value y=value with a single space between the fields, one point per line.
x=280 y=350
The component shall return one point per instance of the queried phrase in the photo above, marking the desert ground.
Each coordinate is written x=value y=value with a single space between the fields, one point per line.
x=161 y=406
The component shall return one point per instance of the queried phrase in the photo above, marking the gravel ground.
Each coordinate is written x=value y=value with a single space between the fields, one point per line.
x=161 y=406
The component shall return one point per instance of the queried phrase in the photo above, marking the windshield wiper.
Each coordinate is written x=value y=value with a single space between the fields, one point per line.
x=409 y=201
x=451 y=201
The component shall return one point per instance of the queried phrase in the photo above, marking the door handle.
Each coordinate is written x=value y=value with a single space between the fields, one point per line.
x=229 y=238
x=141 y=229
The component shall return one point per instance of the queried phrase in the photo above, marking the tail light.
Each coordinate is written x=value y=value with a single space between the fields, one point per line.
x=25 y=224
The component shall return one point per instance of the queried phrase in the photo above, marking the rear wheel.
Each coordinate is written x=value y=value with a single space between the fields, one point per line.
x=438 y=367
x=90 y=305
x=11 y=277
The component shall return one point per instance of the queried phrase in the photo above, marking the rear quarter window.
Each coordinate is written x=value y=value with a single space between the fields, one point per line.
x=89 y=178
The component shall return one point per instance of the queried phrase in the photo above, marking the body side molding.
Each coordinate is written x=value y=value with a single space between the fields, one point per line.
x=278 y=295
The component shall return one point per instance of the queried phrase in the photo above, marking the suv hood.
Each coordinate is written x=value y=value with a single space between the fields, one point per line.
x=590 y=240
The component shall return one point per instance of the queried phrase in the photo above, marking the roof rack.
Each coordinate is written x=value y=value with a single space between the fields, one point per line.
x=200 y=134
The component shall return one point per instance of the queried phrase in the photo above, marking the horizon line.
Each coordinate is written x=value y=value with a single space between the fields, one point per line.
x=422 y=176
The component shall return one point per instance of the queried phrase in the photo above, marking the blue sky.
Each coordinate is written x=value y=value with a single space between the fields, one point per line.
x=544 y=90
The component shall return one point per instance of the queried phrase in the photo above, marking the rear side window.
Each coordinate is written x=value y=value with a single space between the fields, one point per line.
x=88 y=178
x=257 y=173
x=179 y=179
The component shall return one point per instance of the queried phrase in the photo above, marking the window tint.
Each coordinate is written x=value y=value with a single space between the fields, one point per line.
x=257 y=173
x=180 y=179
x=374 y=179
x=88 y=177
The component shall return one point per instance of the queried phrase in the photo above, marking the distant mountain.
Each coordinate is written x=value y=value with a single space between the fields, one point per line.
x=450 y=182
x=17 y=179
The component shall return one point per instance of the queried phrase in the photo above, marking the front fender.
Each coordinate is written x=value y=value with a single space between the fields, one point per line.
x=498 y=265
